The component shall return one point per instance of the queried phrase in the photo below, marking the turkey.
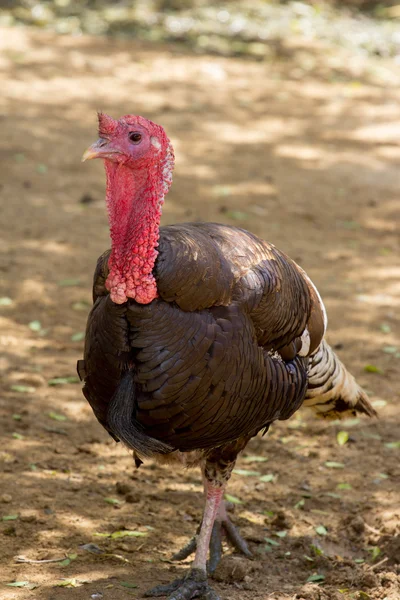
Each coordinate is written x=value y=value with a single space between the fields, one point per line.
x=200 y=336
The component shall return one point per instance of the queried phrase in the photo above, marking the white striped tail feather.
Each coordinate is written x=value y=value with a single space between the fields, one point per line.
x=332 y=391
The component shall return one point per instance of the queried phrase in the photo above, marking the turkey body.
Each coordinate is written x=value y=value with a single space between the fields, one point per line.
x=233 y=342
x=222 y=352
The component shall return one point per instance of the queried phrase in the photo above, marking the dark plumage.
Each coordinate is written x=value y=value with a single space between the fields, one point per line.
x=200 y=357
x=231 y=341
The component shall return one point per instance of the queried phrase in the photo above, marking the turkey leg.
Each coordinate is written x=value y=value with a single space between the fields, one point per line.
x=195 y=583
x=222 y=525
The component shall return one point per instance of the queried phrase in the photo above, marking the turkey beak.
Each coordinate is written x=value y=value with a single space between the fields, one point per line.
x=100 y=149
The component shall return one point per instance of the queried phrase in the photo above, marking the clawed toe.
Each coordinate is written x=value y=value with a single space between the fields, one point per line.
x=194 y=589
x=163 y=590
x=186 y=551
x=195 y=585
x=233 y=536
x=215 y=548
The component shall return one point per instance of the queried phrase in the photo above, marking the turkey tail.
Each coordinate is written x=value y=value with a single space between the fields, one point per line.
x=332 y=391
x=122 y=424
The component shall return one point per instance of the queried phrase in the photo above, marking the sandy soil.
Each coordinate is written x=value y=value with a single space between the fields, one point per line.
x=306 y=160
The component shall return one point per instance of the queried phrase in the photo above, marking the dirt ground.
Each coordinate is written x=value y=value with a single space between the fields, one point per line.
x=307 y=159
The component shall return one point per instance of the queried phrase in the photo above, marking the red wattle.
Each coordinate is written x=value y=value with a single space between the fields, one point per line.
x=134 y=199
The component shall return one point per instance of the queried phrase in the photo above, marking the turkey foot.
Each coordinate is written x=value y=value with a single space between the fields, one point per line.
x=195 y=585
x=222 y=525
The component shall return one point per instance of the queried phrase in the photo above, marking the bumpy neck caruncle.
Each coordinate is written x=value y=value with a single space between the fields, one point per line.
x=134 y=201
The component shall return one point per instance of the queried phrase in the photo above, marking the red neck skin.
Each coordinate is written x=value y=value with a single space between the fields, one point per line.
x=134 y=200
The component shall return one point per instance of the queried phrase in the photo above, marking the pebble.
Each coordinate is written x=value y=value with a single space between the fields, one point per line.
x=28 y=517
x=281 y=520
x=312 y=591
x=357 y=524
x=6 y=498
x=132 y=498
x=369 y=580
x=125 y=547
x=87 y=199
x=92 y=548
x=232 y=569
x=123 y=488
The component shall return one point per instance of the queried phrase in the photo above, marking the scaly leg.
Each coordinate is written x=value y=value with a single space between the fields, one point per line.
x=222 y=525
x=195 y=584
x=217 y=471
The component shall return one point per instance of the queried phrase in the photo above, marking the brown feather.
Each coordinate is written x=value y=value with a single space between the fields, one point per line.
x=216 y=357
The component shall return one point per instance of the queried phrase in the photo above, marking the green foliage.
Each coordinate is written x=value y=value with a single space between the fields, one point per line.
x=315 y=578
x=342 y=438
x=232 y=499
x=63 y=380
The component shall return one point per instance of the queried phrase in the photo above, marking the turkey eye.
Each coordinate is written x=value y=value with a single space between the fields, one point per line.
x=135 y=137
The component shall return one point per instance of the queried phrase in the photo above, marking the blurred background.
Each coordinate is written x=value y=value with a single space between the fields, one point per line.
x=257 y=28
x=285 y=121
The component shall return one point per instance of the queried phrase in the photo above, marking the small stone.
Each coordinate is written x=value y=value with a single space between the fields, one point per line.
x=28 y=517
x=312 y=591
x=125 y=547
x=369 y=580
x=358 y=524
x=132 y=498
x=6 y=498
x=122 y=488
x=305 y=486
x=86 y=199
x=92 y=548
x=231 y=569
x=355 y=527
x=281 y=521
